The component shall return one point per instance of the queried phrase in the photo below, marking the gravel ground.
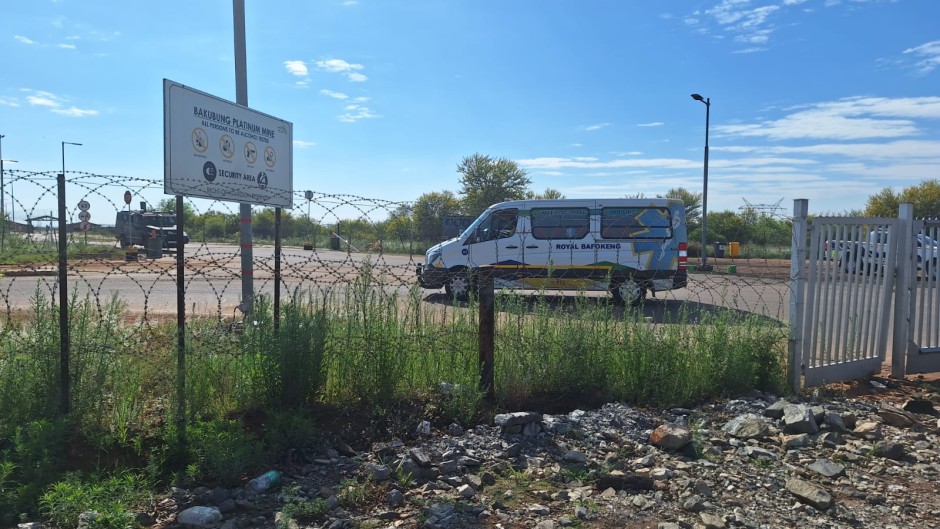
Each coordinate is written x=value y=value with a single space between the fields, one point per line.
x=859 y=455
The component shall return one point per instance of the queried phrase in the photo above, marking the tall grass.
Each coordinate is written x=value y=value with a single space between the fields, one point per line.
x=362 y=348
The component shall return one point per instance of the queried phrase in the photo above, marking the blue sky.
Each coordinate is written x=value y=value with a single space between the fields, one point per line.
x=829 y=100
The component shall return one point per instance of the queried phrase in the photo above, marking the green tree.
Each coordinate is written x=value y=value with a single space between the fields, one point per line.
x=926 y=198
x=429 y=212
x=262 y=224
x=169 y=205
x=883 y=204
x=548 y=194
x=399 y=224
x=693 y=204
x=726 y=226
x=485 y=181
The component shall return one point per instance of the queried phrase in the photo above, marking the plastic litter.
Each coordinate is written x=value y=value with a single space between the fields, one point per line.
x=265 y=481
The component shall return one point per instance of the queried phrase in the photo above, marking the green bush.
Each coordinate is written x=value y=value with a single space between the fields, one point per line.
x=111 y=497
x=222 y=452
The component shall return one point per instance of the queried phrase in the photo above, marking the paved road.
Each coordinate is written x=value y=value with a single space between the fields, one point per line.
x=213 y=284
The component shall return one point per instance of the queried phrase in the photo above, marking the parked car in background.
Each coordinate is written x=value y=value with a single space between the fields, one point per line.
x=869 y=255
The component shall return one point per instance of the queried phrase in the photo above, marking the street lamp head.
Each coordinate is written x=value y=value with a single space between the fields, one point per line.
x=697 y=97
x=70 y=143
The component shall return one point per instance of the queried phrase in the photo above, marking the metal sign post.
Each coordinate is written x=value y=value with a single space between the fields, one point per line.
x=241 y=97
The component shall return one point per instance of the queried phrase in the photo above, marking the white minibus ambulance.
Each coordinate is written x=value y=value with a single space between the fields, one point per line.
x=625 y=246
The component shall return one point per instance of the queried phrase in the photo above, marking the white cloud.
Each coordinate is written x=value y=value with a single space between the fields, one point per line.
x=350 y=3
x=24 y=40
x=358 y=114
x=334 y=95
x=5 y=101
x=847 y=119
x=67 y=46
x=361 y=99
x=54 y=103
x=300 y=144
x=75 y=112
x=574 y=163
x=350 y=70
x=749 y=50
x=928 y=55
x=337 y=65
x=894 y=150
x=297 y=68
x=596 y=126
x=43 y=99
x=651 y=124
x=749 y=24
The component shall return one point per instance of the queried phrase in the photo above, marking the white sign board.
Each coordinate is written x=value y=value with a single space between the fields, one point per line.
x=216 y=149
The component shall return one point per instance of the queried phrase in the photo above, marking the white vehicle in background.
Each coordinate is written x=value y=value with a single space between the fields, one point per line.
x=869 y=256
x=626 y=246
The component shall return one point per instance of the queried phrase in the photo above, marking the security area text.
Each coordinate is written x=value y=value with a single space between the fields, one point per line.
x=236 y=175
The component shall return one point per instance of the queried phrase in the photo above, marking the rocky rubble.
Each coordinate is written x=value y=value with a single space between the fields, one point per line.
x=757 y=462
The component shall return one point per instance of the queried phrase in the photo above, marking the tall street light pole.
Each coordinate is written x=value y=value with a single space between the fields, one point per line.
x=708 y=104
x=64 y=143
x=3 y=216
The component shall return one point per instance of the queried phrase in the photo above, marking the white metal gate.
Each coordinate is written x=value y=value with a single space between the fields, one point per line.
x=923 y=348
x=848 y=298
x=861 y=281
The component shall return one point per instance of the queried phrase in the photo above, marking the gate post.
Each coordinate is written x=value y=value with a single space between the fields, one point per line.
x=797 y=293
x=903 y=289
x=487 y=332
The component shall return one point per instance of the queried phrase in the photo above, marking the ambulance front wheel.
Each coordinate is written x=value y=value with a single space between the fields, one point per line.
x=628 y=292
x=459 y=285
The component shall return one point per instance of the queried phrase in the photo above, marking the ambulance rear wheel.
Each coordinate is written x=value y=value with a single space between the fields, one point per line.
x=460 y=285
x=628 y=292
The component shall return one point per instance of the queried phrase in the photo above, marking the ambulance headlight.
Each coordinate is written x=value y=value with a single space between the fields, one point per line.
x=433 y=257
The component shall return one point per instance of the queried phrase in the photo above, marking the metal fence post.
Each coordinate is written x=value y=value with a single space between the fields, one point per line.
x=797 y=293
x=64 y=382
x=277 y=268
x=180 y=321
x=487 y=332
x=903 y=289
